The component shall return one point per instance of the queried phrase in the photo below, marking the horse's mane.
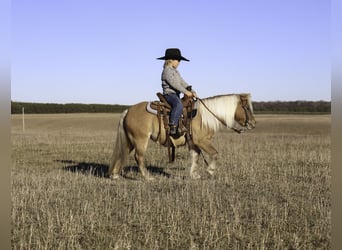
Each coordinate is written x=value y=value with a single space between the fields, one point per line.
x=223 y=106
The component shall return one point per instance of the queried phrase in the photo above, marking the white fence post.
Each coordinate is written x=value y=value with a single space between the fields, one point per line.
x=23 y=119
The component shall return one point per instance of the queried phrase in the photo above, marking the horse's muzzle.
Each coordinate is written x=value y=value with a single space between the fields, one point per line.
x=248 y=125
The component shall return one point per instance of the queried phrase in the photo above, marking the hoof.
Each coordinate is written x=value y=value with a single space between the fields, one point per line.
x=211 y=172
x=195 y=176
x=114 y=176
x=149 y=178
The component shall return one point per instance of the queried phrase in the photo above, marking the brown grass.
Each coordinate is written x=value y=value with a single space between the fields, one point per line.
x=272 y=189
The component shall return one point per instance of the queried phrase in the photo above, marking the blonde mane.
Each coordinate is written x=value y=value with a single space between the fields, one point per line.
x=222 y=106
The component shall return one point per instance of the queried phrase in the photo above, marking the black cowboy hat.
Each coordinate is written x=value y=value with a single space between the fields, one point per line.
x=174 y=54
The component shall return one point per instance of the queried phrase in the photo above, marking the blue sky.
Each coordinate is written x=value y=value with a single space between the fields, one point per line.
x=104 y=51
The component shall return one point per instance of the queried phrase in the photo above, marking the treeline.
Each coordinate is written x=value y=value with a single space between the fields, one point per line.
x=292 y=107
x=275 y=107
x=49 y=108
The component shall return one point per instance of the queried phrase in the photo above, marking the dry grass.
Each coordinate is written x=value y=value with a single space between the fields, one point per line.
x=272 y=190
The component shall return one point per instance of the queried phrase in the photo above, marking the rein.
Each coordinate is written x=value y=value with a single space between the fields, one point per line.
x=211 y=112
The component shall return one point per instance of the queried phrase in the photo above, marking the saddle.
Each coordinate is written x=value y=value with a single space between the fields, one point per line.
x=163 y=109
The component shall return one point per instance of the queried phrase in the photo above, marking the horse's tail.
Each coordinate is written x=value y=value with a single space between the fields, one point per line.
x=121 y=149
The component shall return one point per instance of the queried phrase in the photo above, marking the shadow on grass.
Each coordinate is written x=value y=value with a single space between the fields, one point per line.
x=100 y=170
x=87 y=168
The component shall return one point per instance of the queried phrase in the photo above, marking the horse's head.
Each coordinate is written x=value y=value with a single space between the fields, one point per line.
x=244 y=116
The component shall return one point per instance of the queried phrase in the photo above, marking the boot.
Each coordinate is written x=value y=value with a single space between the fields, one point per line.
x=173 y=129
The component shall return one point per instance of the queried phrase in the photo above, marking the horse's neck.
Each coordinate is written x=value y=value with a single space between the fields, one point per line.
x=222 y=106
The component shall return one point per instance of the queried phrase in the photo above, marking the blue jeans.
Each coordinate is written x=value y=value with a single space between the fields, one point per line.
x=177 y=108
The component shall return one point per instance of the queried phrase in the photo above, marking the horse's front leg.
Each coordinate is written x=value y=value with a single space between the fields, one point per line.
x=212 y=152
x=212 y=164
x=194 y=153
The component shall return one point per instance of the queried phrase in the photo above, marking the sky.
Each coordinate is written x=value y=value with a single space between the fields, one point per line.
x=104 y=51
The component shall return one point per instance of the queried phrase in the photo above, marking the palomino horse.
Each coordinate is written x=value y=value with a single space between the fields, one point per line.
x=137 y=126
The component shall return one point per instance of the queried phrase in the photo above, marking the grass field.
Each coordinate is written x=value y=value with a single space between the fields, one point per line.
x=272 y=189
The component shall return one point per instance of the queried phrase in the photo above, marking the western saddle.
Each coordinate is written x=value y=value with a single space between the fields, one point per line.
x=163 y=109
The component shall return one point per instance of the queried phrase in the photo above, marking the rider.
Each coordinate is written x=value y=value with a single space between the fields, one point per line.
x=173 y=84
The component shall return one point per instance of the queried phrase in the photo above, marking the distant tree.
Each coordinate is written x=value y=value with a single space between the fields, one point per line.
x=259 y=107
x=46 y=108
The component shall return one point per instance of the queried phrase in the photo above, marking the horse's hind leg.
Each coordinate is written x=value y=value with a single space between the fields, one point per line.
x=116 y=164
x=139 y=158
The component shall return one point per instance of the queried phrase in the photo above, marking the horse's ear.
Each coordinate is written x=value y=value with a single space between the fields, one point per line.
x=244 y=98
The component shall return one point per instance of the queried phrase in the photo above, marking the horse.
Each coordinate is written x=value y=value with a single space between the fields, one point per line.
x=137 y=126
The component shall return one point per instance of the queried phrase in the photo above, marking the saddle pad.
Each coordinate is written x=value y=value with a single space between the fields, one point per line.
x=150 y=109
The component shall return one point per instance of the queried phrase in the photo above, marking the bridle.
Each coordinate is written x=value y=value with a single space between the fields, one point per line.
x=247 y=117
x=247 y=113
